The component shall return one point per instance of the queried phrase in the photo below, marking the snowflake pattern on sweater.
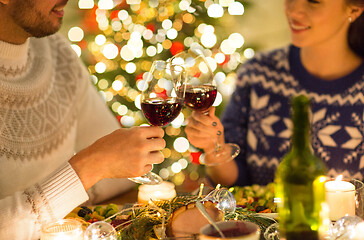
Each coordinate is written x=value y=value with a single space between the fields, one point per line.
x=258 y=116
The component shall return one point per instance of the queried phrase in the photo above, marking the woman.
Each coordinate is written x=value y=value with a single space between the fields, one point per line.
x=325 y=62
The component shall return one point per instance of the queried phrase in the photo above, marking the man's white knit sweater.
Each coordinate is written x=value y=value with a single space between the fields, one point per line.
x=49 y=110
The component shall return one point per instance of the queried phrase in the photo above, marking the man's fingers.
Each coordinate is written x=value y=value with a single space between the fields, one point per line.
x=148 y=168
x=156 y=144
x=155 y=157
x=152 y=131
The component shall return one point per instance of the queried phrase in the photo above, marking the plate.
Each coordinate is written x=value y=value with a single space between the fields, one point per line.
x=269 y=215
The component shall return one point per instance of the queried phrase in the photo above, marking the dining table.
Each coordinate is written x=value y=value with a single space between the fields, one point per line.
x=130 y=196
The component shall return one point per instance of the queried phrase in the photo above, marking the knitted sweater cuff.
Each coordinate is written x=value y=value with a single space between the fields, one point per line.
x=63 y=191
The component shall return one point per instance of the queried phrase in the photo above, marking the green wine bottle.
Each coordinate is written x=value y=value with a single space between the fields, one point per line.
x=299 y=181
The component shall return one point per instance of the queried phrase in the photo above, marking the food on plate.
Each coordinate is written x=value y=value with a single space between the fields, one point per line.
x=255 y=198
x=187 y=220
x=93 y=214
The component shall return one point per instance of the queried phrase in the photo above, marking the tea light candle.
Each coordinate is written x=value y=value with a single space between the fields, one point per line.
x=64 y=229
x=163 y=191
x=340 y=197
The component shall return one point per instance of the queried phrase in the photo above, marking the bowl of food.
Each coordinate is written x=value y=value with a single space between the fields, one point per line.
x=256 y=199
x=232 y=230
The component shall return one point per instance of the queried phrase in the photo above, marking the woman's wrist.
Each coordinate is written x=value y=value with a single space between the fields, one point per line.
x=218 y=156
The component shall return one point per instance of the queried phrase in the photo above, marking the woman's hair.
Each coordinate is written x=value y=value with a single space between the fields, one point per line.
x=356 y=30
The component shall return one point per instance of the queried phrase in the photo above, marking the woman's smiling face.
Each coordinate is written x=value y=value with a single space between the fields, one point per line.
x=315 y=22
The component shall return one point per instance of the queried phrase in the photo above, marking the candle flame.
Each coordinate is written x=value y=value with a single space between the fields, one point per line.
x=322 y=179
x=339 y=178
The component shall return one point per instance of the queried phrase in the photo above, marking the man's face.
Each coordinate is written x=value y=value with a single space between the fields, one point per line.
x=39 y=18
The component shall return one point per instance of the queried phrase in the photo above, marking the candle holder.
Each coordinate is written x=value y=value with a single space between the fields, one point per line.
x=65 y=229
x=344 y=198
x=164 y=191
x=359 y=197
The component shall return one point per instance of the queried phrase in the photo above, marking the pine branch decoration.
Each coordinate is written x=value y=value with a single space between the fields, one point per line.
x=143 y=220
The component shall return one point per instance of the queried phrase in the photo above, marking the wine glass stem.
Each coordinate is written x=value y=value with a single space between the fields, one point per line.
x=148 y=178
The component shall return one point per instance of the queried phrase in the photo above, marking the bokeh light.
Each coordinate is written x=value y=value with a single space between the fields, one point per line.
x=249 y=53
x=100 y=39
x=100 y=67
x=117 y=85
x=127 y=121
x=110 y=51
x=215 y=11
x=77 y=49
x=86 y=4
x=75 y=34
x=106 y=4
x=236 y=8
x=181 y=144
x=119 y=42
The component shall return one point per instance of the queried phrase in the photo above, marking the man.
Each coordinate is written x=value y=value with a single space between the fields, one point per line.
x=57 y=137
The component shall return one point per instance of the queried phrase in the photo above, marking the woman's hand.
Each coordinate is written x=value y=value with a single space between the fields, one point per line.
x=124 y=153
x=204 y=130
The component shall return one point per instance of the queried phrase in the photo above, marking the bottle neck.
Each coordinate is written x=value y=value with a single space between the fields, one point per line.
x=301 y=138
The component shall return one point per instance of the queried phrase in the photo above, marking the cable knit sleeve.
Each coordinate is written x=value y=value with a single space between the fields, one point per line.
x=23 y=213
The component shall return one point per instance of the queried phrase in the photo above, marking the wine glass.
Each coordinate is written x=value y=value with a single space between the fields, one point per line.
x=225 y=200
x=200 y=94
x=160 y=103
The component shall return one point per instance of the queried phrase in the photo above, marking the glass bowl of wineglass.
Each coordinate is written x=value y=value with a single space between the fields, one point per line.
x=160 y=103
x=200 y=94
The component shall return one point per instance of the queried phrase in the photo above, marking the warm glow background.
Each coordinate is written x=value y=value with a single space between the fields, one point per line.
x=118 y=74
x=264 y=24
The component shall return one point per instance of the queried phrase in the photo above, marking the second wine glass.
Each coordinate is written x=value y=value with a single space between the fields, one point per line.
x=200 y=94
x=160 y=103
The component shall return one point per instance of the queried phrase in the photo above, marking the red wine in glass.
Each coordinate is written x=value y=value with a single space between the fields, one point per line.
x=160 y=112
x=200 y=94
x=200 y=97
x=160 y=103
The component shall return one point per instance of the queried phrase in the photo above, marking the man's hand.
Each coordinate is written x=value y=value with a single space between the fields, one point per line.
x=124 y=153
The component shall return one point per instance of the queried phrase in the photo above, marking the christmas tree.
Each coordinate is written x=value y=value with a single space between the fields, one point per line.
x=119 y=40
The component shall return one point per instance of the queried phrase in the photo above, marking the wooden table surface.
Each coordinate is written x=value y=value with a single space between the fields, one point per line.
x=130 y=196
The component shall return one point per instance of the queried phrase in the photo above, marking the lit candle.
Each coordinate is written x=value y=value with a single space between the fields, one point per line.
x=340 y=197
x=163 y=191
x=64 y=229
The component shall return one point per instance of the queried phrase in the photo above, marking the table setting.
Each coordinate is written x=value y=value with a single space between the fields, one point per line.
x=166 y=214
x=239 y=212
x=180 y=217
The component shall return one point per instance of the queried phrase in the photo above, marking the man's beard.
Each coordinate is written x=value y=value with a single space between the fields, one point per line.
x=32 y=20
